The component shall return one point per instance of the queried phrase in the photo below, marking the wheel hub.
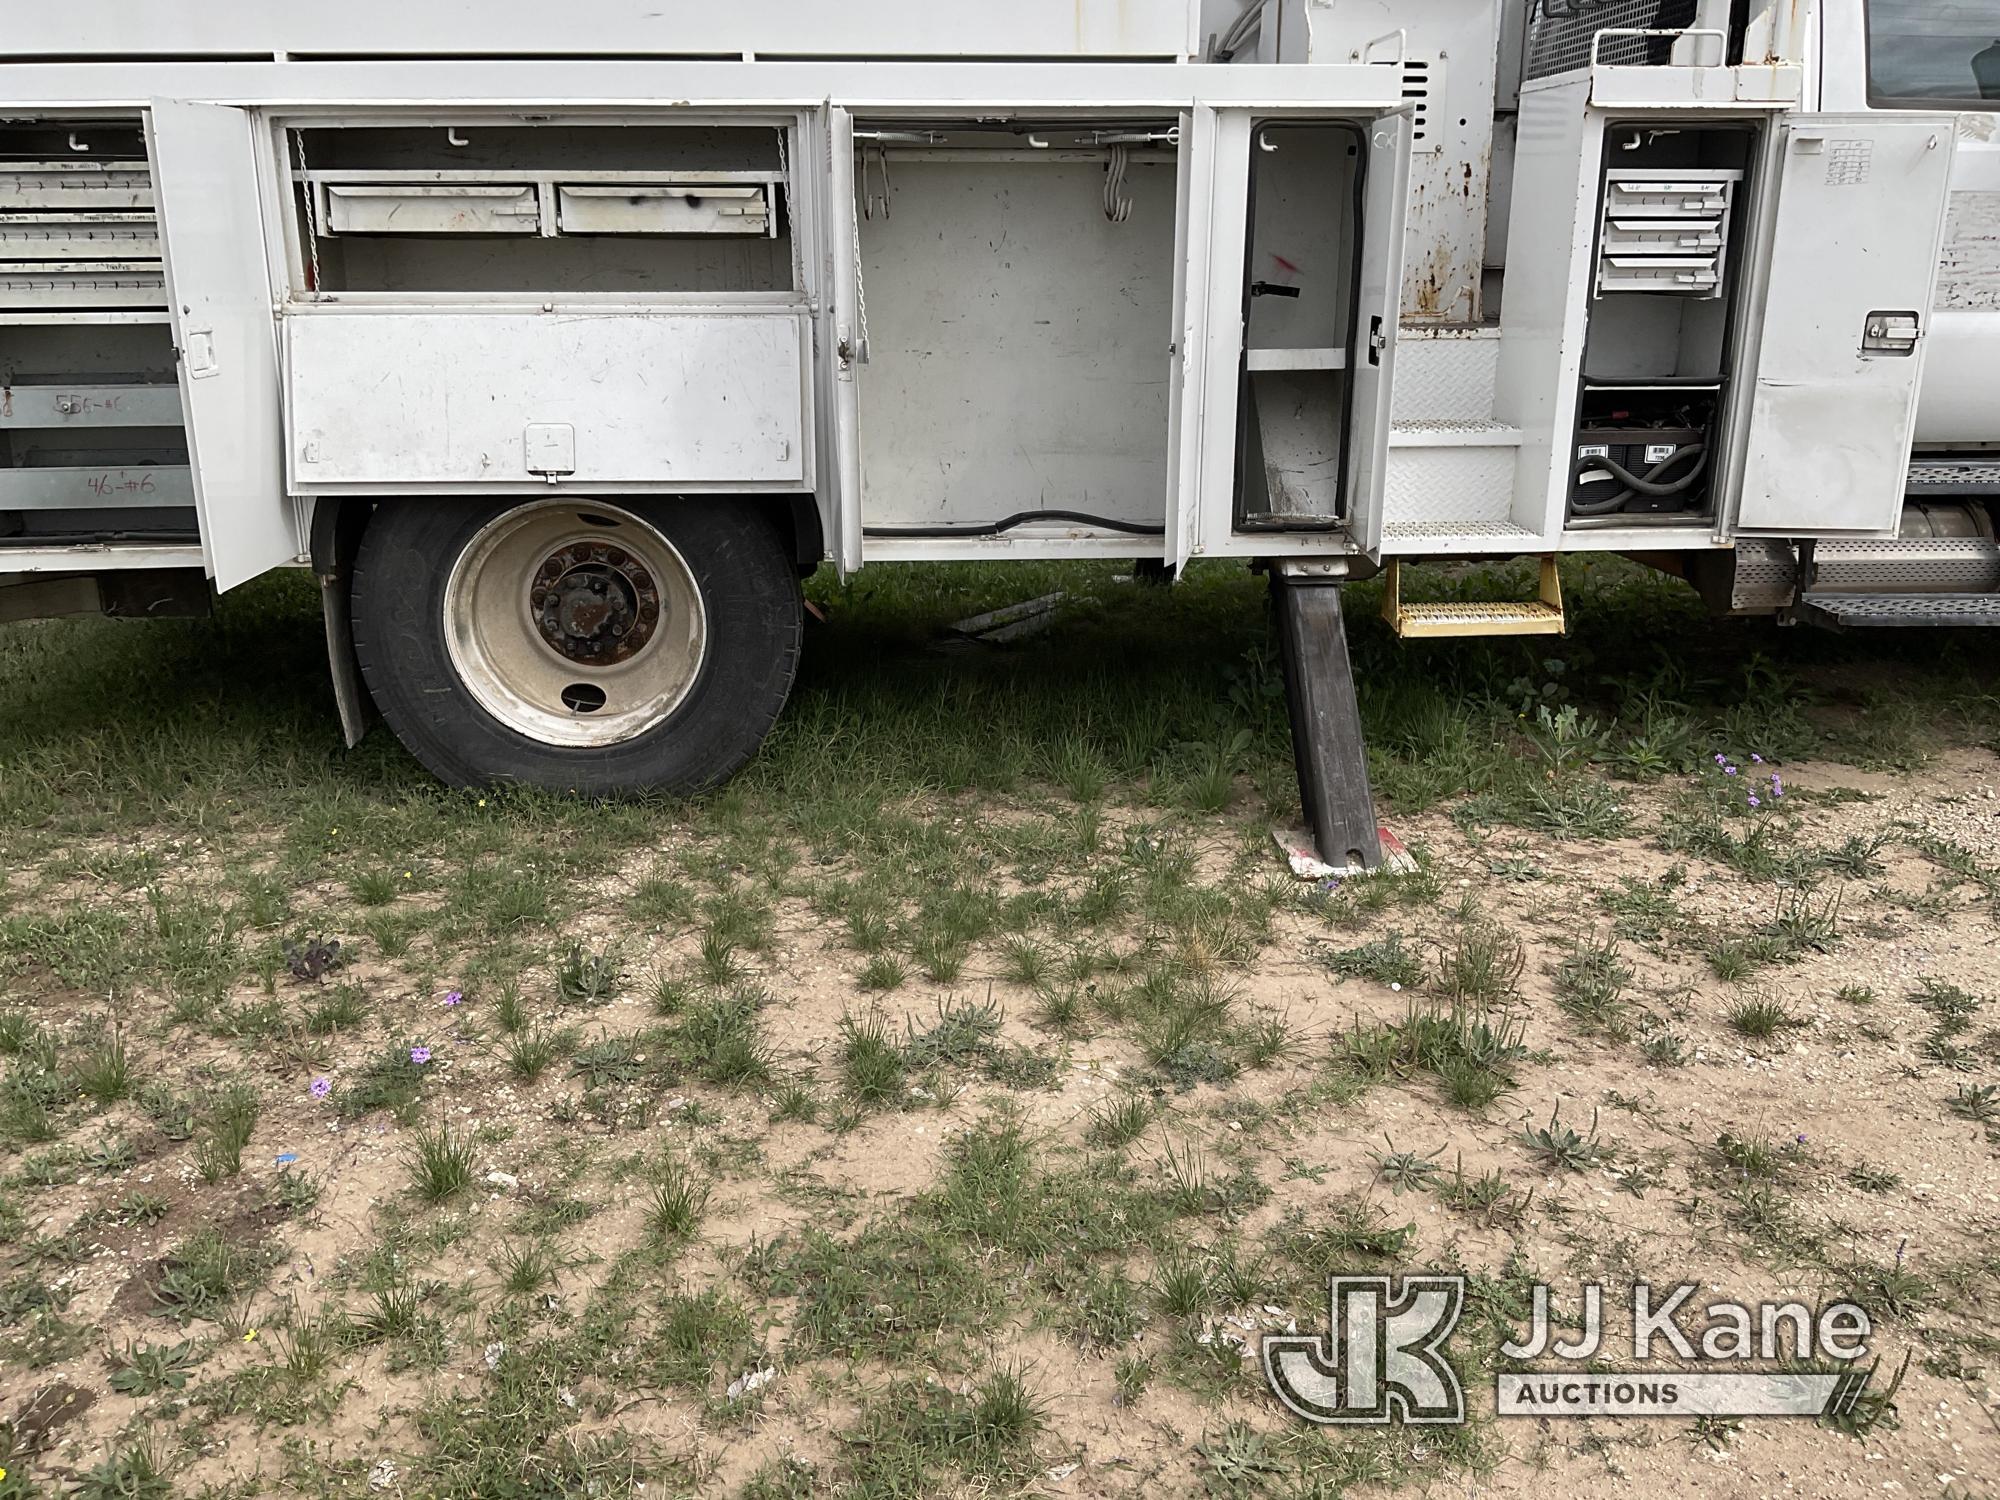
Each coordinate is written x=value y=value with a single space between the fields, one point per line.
x=594 y=604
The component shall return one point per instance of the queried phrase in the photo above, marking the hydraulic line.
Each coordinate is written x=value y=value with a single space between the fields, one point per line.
x=1019 y=518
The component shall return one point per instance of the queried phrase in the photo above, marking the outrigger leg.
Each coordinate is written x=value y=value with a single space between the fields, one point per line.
x=1326 y=719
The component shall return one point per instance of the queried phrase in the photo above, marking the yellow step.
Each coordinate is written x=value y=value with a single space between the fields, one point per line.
x=1543 y=616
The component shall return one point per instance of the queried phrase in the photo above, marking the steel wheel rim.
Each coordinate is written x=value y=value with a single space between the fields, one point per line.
x=575 y=624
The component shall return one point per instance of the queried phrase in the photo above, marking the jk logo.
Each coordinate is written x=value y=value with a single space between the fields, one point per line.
x=1379 y=1360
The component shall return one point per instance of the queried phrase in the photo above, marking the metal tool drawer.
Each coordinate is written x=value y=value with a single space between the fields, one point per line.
x=1667 y=195
x=1694 y=275
x=663 y=208
x=449 y=208
x=75 y=186
x=1663 y=237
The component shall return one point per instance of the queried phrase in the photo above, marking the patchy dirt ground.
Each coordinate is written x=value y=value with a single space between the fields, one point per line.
x=1816 y=1127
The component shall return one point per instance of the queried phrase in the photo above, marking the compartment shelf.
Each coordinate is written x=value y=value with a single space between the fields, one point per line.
x=1296 y=359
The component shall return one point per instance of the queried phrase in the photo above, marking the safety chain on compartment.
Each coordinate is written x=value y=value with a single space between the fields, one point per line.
x=860 y=298
x=312 y=215
x=792 y=213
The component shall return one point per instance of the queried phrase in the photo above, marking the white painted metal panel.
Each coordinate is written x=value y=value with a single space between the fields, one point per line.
x=919 y=28
x=843 y=252
x=386 y=400
x=1962 y=367
x=205 y=175
x=638 y=85
x=1551 y=236
x=1193 y=165
x=1219 y=280
x=1372 y=360
x=1860 y=220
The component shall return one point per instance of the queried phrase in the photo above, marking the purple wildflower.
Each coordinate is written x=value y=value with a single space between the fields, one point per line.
x=321 y=1087
x=1753 y=800
x=1729 y=770
x=1756 y=760
x=1777 y=785
x=1721 y=759
x=420 y=1055
x=453 y=997
x=1802 y=1137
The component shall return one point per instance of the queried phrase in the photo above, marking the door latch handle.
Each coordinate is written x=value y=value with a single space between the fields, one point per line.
x=1273 y=289
x=1378 y=341
x=1891 y=334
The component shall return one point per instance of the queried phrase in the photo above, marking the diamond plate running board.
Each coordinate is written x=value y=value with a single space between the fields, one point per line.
x=1884 y=611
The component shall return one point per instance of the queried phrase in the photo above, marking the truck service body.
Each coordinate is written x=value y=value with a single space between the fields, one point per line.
x=561 y=347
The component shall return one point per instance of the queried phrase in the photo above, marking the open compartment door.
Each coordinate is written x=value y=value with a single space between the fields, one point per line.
x=1848 y=289
x=205 y=176
x=1194 y=192
x=850 y=344
x=1371 y=359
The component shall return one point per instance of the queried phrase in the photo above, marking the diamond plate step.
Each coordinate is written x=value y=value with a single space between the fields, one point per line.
x=1953 y=477
x=1880 y=611
x=1449 y=618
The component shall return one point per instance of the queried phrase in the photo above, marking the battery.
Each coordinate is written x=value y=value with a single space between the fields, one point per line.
x=1638 y=451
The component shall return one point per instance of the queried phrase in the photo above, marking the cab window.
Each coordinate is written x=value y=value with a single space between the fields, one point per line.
x=1927 y=53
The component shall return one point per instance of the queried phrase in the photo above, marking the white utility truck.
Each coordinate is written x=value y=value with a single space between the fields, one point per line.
x=562 y=344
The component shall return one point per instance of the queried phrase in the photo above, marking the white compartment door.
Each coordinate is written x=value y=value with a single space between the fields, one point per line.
x=1195 y=165
x=1372 y=351
x=850 y=348
x=1853 y=267
x=218 y=281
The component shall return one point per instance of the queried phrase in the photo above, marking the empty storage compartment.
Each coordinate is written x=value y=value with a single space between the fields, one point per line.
x=1298 y=325
x=1019 y=285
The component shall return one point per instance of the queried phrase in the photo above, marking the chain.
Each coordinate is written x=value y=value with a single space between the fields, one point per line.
x=792 y=214
x=312 y=215
x=860 y=294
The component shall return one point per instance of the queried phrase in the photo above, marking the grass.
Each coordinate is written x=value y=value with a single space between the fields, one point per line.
x=1386 y=960
x=1049 y=864
x=676 y=1201
x=1761 y=1019
x=1590 y=986
x=440 y=1164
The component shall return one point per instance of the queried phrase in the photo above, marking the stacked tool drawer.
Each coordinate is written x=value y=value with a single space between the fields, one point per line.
x=92 y=445
x=1665 y=231
x=78 y=236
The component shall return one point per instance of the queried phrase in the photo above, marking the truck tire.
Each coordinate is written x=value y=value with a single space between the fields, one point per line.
x=595 y=647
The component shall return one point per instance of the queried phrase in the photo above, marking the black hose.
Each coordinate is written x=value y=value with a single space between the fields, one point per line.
x=1635 y=485
x=1019 y=518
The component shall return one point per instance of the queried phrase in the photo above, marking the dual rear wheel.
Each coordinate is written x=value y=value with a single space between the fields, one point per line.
x=582 y=646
